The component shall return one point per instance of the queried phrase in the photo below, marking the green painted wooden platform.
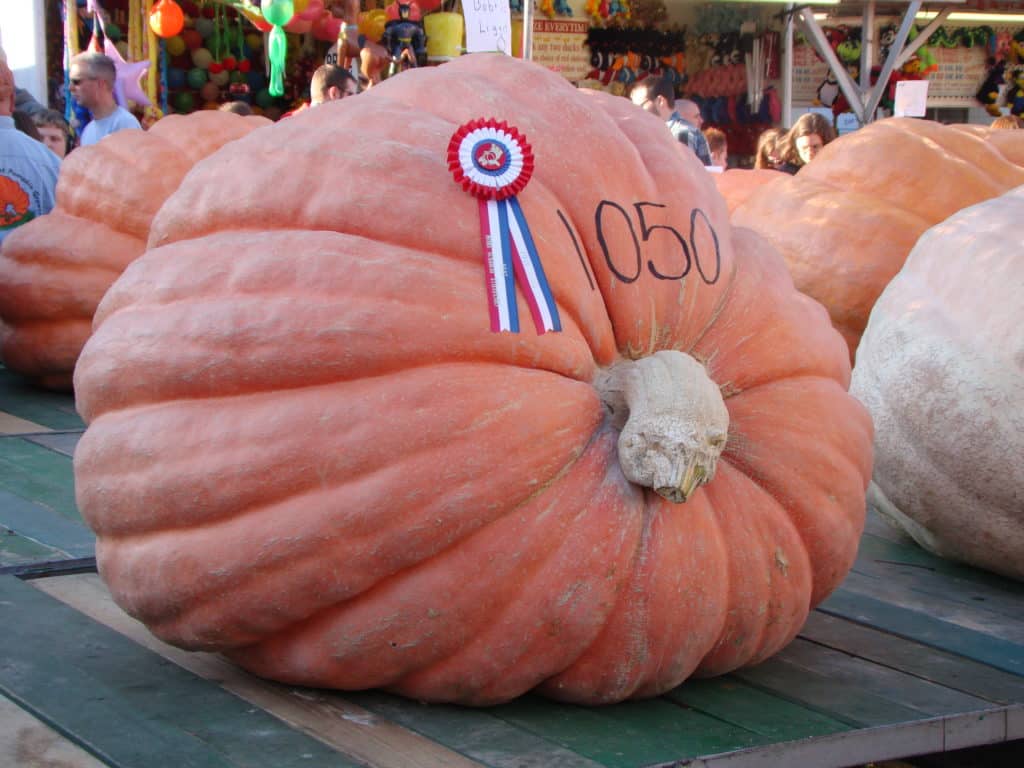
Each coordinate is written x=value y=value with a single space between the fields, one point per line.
x=912 y=655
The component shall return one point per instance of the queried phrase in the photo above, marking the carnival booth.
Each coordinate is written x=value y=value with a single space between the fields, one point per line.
x=749 y=65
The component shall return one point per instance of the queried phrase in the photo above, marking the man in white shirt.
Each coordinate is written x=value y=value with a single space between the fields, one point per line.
x=92 y=77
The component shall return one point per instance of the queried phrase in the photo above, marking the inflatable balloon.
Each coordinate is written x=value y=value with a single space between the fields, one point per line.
x=166 y=19
x=176 y=46
x=196 y=78
x=278 y=13
x=184 y=102
x=202 y=58
x=209 y=92
x=204 y=27
x=192 y=39
x=254 y=41
x=175 y=77
x=221 y=78
x=263 y=98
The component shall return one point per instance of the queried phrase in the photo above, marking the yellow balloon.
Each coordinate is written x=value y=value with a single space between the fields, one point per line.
x=254 y=41
x=300 y=5
x=176 y=45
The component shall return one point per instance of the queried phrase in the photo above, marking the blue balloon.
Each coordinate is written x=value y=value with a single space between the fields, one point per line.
x=256 y=79
x=175 y=77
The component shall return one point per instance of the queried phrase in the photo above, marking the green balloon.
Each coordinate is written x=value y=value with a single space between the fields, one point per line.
x=278 y=12
x=113 y=31
x=196 y=78
x=237 y=77
x=263 y=98
x=184 y=102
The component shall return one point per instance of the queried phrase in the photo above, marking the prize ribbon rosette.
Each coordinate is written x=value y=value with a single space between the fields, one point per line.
x=493 y=162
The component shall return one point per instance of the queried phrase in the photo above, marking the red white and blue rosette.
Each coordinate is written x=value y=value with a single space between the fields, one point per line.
x=493 y=162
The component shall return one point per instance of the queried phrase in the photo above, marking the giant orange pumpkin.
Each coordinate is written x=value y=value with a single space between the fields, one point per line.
x=307 y=449
x=846 y=222
x=55 y=269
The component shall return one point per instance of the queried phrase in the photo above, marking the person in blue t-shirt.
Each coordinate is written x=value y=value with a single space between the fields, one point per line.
x=28 y=170
x=92 y=77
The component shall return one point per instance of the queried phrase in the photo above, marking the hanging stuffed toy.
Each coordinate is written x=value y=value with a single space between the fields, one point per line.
x=988 y=93
x=1015 y=94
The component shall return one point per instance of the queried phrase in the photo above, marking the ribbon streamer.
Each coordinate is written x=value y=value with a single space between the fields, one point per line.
x=493 y=162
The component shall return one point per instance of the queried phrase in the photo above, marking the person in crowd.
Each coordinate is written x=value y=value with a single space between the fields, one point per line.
x=54 y=131
x=1004 y=122
x=236 y=107
x=26 y=102
x=808 y=136
x=92 y=76
x=24 y=124
x=718 y=147
x=767 y=155
x=656 y=94
x=28 y=170
x=329 y=83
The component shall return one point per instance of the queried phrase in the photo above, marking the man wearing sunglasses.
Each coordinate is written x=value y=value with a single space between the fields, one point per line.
x=92 y=77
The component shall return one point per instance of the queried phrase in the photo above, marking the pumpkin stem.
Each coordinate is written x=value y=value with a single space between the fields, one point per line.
x=672 y=418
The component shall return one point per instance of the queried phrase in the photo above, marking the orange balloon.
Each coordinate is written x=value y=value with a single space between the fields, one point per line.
x=166 y=19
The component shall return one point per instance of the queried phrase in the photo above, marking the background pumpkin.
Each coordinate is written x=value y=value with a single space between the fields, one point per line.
x=54 y=270
x=306 y=448
x=846 y=222
x=941 y=368
x=737 y=184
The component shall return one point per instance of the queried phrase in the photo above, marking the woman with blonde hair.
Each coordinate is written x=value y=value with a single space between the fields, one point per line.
x=767 y=154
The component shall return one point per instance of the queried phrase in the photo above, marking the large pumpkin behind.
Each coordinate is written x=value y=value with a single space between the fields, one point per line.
x=307 y=449
x=941 y=368
x=846 y=222
x=737 y=184
x=54 y=270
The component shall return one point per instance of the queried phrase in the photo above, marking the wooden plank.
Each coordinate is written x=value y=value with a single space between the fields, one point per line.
x=16 y=550
x=927 y=663
x=333 y=719
x=128 y=706
x=61 y=442
x=917 y=571
x=54 y=410
x=476 y=733
x=12 y=425
x=39 y=475
x=924 y=629
x=874 y=744
x=733 y=701
x=630 y=734
x=42 y=525
x=817 y=691
x=29 y=743
x=851 y=673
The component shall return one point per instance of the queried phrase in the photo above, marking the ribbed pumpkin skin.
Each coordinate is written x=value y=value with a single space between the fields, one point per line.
x=306 y=447
x=55 y=270
x=737 y=184
x=846 y=222
x=941 y=368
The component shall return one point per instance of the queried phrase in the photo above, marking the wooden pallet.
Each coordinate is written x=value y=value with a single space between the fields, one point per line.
x=912 y=655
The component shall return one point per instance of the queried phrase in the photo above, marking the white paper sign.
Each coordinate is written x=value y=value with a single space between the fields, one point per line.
x=911 y=98
x=488 y=26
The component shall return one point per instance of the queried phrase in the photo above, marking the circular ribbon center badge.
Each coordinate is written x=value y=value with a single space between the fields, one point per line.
x=493 y=162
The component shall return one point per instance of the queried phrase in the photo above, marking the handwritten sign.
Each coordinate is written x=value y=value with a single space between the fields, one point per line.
x=911 y=98
x=488 y=26
x=561 y=46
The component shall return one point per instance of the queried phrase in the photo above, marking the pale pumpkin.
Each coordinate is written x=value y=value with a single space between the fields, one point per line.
x=55 y=269
x=846 y=222
x=941 y=368
x=307 y=449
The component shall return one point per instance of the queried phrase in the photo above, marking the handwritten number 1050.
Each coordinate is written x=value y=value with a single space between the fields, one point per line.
x=628 y=270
